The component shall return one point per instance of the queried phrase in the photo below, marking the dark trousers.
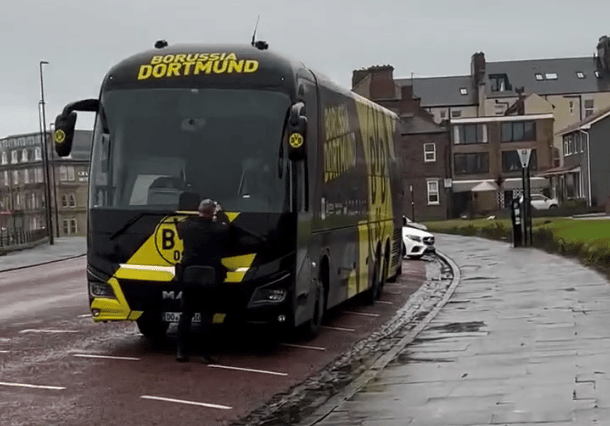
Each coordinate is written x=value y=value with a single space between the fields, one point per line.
x=195 y=298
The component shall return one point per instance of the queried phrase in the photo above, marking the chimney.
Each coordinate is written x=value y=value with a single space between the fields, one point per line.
x=358 y=76
x=477 y=68
x=603 y=54
x=382 y=82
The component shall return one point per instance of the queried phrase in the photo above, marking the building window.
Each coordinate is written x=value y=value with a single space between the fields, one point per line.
x=571 y=106
x=39 y=177
x=463 y=91
x=429 y=152
x=73 y=227
x=4 y=158
x=580 y=75
x=499 y=109
x=26 y=176
x=471 y=163
x=63 y=173
x=516 y=131
x=470 y=133
x=70 y=226
x=539 y=76
x=6 y=182
x=66 y=223
x=72 y=200
x=499 y=82
x=38 y=154
x=433 y=197
x=64 y=200
x=456 y=113
x=71 y=174
x=24 y=156
x=443 y=114
x=15 y=177
x=14 y=155
x=512 y=163
x=551 y=76
x=589 y=107
x=34 y=201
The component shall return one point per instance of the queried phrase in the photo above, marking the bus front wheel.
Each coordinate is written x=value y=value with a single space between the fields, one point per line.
x=313 y=326
x=152 y=327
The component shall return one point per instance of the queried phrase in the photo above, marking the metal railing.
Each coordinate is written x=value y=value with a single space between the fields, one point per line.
x=18 y=239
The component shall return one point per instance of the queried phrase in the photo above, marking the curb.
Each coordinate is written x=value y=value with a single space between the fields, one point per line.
x=357 y=384
x=16 y=268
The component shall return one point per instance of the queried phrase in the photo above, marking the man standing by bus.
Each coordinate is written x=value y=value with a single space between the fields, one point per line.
x=206 y=240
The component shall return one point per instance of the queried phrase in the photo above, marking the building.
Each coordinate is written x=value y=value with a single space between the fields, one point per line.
x=22 y=188
x=424 y=147
x=486 y=168
x=586 y=172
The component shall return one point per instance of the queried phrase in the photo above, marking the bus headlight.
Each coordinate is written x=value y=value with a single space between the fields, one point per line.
x=268 y=295
x=99 y=289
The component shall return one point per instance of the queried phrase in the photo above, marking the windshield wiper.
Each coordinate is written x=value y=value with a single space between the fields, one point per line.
x=134 y=220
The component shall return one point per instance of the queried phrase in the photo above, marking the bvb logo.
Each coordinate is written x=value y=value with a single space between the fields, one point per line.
x=59 y=136
x=168 y=244
x=296 y=140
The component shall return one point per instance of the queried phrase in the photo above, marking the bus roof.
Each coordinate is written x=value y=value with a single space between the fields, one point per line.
x=203 y=65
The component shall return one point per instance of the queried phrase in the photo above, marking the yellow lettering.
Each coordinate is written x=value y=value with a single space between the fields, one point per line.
x=174 y=69
x=192 y=58
x=251 y=66
x=187 y=68
x=218 y=70
x=214 y=56
x=145 y=72
x=222 y=57
x=156 y=60
x=168 y=59
x=180 y=58
x=237 y=66
x=159 y=70
x=203 y=57
x=231 y=56
x=203 y=66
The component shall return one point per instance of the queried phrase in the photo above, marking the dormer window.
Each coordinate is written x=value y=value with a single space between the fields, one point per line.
x=463 y=91
x=580 y=75
x=598 y=74
x=499 y=82
x=539 y=76
x=551 y=76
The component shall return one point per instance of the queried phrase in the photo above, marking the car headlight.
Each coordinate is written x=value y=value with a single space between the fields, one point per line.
x=414 y=238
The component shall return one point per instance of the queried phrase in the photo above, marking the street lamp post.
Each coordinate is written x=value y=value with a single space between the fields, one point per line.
x=45 y=158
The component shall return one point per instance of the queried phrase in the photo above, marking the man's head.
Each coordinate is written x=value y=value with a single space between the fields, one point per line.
x=206 y=209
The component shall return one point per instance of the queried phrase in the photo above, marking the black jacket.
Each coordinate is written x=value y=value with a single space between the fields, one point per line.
x=205 y=242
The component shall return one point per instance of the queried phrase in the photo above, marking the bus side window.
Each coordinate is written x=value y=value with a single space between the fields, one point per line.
x=302 y=186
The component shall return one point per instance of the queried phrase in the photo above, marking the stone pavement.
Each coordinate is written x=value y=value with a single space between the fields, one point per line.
x=64 y=247
x=524 y=340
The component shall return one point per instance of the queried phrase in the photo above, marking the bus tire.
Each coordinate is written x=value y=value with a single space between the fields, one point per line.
x=151 y=326
x=374 y=292
x=314 y=324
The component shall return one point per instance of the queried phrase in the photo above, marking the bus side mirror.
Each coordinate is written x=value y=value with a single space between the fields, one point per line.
x=297 y=132
x=64 y=133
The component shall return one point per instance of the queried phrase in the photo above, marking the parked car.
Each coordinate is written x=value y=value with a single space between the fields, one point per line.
x=416 y=241
x=540 y=202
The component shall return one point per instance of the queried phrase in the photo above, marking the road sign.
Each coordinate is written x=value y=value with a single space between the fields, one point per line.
x=524 y=156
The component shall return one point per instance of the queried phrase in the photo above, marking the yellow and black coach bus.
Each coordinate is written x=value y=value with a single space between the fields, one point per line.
x=308 y=173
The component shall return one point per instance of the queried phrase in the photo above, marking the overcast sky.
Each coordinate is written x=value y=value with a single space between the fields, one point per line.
x=82 y=39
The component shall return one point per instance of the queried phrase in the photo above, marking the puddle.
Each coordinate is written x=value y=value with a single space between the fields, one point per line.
x=460 y=327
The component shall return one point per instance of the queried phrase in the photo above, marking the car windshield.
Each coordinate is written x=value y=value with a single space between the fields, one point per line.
x=156 y=147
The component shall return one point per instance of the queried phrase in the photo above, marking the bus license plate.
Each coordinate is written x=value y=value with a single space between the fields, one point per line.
x=175 y=317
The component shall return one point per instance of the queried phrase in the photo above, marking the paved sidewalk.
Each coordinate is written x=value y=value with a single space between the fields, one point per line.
x=64 y=247
x=524 y=340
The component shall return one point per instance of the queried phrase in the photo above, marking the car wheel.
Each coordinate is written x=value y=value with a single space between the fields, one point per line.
x=553 y=206
x=415 y=256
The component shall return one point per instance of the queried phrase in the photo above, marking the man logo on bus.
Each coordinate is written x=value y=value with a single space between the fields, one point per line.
x=296 y=140
x=59 y=136
x=168 y=244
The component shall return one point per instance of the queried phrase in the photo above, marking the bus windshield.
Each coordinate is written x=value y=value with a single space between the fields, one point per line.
x=155 y=148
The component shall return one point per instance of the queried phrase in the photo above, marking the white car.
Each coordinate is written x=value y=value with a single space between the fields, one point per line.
x=540 y=202
x=416 y=241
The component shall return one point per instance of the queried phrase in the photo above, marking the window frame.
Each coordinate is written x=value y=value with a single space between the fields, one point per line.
x=525 y=133
x=484 y=159
x=459 y=133
x=430 y=192
x=432 y=158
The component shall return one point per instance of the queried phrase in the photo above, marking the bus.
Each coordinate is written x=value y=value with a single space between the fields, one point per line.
x=307 y=171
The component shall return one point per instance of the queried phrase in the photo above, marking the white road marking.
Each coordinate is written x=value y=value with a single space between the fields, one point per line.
x=25 y=385
x=3 y=352
x=182 y=401
x=329 y=327
x=315 y=348
x=251 y=370
x=126 y=358
x=35 y=330
x=85 y=316
x=383 y=302
x=361 y=313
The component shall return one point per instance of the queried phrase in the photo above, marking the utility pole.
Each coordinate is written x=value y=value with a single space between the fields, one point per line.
x=45 y=158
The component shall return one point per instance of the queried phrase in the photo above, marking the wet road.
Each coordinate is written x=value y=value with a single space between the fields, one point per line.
x=58 y=367
x=524 y=340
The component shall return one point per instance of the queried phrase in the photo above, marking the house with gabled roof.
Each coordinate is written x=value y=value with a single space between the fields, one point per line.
x=586 y=170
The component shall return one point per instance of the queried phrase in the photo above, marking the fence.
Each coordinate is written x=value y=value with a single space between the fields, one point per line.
x=12 y=240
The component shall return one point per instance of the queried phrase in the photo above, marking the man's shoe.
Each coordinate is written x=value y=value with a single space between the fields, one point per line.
x=181 y=355
x=206 y=359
